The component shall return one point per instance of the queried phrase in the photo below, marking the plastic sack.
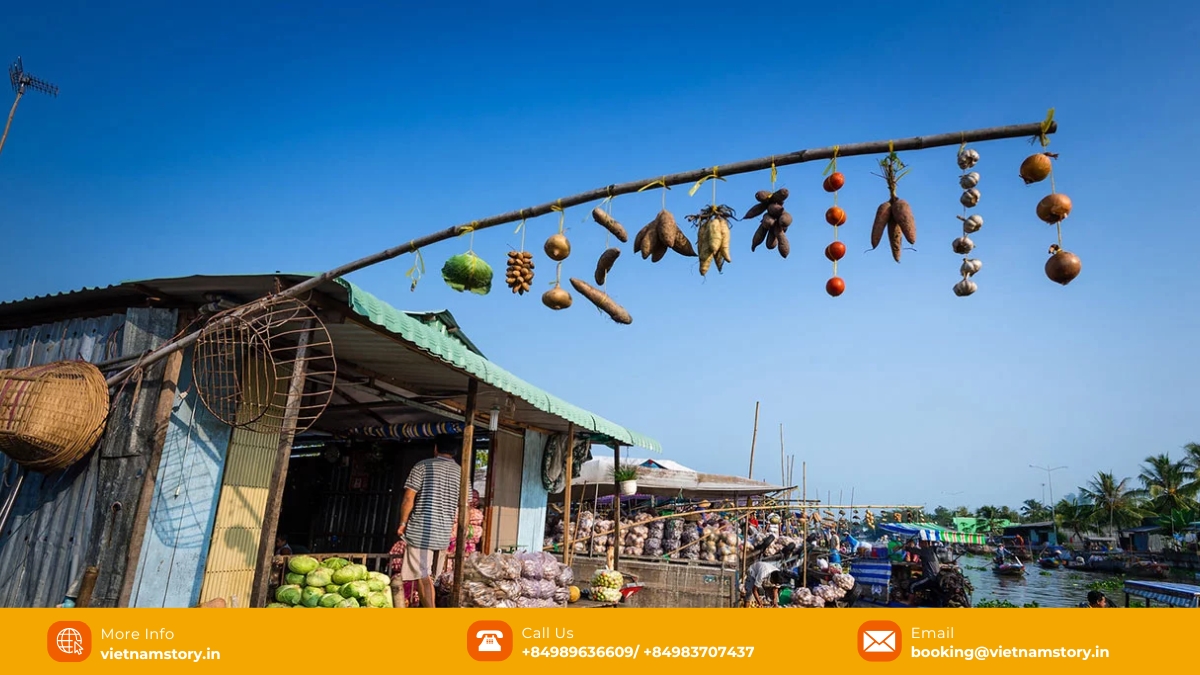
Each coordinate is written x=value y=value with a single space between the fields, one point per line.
x=537 y=589
x=506 y=604
x=479 y=594
x=507 y=589
x=531 y=566
x=565 y=577
x=510 y=567
x=561 y=596
x=486 y=566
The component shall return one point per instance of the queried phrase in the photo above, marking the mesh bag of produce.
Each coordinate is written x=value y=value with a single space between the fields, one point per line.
x=561 y=596
x=565 y=577
x=654 y=547
x=507 y=589
x=510 y=566
x=478 y=594
x=484 y=566
x=506 y=604
x=531 y=565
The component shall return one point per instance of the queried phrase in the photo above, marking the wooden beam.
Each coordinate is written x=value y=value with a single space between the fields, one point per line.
x=291 y=411
x=464 y=490
x=141 y=516
x=615 y=549
x=567 y=494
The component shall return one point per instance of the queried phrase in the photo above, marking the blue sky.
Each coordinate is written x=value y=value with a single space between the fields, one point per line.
x=242 y=139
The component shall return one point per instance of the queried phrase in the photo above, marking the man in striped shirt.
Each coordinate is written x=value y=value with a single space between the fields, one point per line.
x=427 y=516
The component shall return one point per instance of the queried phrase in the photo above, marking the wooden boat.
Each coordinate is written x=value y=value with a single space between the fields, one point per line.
x=1147 y=569
x=1010 y=567
x=1050 y=563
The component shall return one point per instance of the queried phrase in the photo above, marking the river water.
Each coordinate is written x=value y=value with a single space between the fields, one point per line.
x=1048 y=588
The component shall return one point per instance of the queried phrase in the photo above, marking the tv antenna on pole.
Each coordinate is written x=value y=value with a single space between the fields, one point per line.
x=21 y=81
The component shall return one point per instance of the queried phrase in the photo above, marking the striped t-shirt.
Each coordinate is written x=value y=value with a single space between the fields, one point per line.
x=436 y=482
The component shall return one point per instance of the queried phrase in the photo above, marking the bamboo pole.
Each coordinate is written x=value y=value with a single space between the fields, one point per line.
x=683 y=178
x=11 y=113
x=804 y=510
x=567 y=494
x=782 y=459
x=749 y=476
x=464 y=490
x=615 y=549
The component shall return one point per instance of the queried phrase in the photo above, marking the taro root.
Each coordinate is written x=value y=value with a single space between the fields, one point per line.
x=1063 y=266
x=1054 y=208
x=557 y=247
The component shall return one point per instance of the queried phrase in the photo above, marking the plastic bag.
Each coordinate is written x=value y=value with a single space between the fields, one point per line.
x=507 y=589
x=561 y=596
x=537 y=589
x=531 y=566
x=510 y=567
x=565 y=577
x=485 y=566
x=479 y=594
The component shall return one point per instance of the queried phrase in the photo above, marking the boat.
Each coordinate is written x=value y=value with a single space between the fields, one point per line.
x=1053 y=557
x=1050 y=563
x=1010 y=566
x=1147 y=569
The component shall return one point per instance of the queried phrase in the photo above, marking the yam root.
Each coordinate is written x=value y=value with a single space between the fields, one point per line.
x=607 y=222
x=659 y=251
x=896 y=237
x=785 y=220
x=683 y=246
x=760 y=235
x=756 y=210
x=762 y=196
x=603 y=302
x=667 y=229
x=902 y=215
x=883 y=216
x=647 y=239
x=605 y=263
x=785 y=247
x=772 y=238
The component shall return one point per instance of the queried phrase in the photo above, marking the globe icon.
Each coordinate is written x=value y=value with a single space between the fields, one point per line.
x=69 y=641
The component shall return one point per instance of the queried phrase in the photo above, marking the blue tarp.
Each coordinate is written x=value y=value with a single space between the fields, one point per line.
x=874 y=577
x=1175 y=595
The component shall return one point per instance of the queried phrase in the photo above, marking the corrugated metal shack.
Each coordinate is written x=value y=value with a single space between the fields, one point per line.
x=171 y=508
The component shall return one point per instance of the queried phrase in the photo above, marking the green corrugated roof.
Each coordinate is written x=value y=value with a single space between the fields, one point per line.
x=446 y=348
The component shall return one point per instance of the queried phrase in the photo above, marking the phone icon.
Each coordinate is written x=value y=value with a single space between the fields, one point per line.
x=489 y=641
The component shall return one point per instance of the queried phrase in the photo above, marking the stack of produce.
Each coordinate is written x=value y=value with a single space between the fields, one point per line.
x=602 y=538
x=522 y=580
x=654 y=543
x=586 y=522
x=635 y=533
x=803 y=597
x=332 y=583
x=673 y=536
x=689 y=535
x=721 y=544
x=606 y=585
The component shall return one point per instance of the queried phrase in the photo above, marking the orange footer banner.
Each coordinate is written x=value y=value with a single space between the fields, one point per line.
x=536 y=640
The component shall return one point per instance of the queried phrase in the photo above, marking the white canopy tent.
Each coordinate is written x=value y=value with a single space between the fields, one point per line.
x=664 y=478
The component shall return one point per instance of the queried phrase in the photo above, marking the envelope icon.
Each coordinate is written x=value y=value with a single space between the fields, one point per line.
x=879 y=641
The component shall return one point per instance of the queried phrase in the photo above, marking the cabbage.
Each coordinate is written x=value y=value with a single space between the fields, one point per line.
x=333 y=588
x=377 y=600
x=319 y=577
x=295 y=579
x=348 y=602
x=289 y=595
x=276 y=605
x=468 y=272
x=350 y=573
x=356 y=589
x=330 y=600
x=377 y=586
x=334 y=563
x=360 y=572
x=311 y=595
x=302 y=564
x=376 y=576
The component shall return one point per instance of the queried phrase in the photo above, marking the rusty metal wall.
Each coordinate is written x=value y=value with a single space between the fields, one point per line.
x=43 y=545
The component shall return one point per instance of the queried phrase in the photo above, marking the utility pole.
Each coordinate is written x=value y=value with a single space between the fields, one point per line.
x=1050 y=483
x=22 y=81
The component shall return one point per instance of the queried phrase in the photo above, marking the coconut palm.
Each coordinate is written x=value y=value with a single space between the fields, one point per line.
x=1074 y=515
x=1168 y=485
x=1192 y=457
x=1114 y=501
x=1033 y=511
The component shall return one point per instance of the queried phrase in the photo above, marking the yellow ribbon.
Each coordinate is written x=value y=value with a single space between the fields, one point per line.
x=712 y=176
x=832 y=162
x=661 y=183
x=1044 y=137
x=520 y=225
x=417 y=270
x=562 y=215
x=774 y=173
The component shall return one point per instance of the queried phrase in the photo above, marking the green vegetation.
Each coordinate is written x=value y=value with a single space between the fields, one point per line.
x=992 y=603
x=1109 y=585
x=625 y=472
x=1166 y=492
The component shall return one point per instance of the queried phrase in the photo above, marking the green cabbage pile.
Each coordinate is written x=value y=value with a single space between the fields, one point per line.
x=331 y=583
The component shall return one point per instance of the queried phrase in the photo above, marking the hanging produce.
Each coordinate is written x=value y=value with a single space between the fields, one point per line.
x=713 y=236
x=971 y=224
x=836 y=217
x=1063 y=266
x=602 y=301
x=607 y=222
x=468 y=272
x=519 y=276
x=557 y=247
x=661 y=235
x=605 y=263
x=895 y=216
x=776 y=220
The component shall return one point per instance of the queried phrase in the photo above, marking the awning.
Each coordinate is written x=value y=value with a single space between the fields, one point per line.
x=932 y=532
x=1175 y=595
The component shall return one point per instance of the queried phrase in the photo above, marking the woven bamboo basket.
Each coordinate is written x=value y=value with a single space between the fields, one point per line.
x=52 y=415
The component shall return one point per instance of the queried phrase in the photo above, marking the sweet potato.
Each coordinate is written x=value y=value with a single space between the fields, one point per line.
x=760 y=235
x=650 y=241
x=606 y=221
x=683 y=245
x=772 y=238
x=667 y=229
x=775 y=210
x=896 y=236
x=756 y=210
x=883 y=216
x=639 y=239
x=785 y=247
x=763 y=196
x=605 y=263
x=903 y=216
x=784 y=220
x=603 y=302
x=780 y=196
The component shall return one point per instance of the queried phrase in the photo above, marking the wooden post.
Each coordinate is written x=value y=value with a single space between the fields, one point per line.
x=87 y=587
x=782 y=459
x=266 y=541
x=615 y=549
x=489 y=488
x=141 y=517
x=749 y=475
x=567 y=494
x=804 y=510
x=464 y=488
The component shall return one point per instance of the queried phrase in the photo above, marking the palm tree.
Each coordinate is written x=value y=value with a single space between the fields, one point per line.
x=1034 y=511
x=987 y=514
x=1168 y=485
x=1192 y=457
x=1074 y=515
x=1115 y=500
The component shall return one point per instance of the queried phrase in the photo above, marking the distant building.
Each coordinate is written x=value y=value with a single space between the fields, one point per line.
x=972 y=525
x=1034 y=534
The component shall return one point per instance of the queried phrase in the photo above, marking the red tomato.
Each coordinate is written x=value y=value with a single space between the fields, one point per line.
x=835 y=286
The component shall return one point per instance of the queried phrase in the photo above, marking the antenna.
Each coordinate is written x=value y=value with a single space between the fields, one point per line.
x=22 y=81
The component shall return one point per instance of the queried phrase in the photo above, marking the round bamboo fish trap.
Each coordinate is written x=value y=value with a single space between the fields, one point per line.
x=244 y=359
x=51 y=416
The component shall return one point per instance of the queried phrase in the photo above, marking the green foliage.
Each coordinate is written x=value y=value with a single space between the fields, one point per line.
x=993 y=603
x=625 y=472
x=1108 y=585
